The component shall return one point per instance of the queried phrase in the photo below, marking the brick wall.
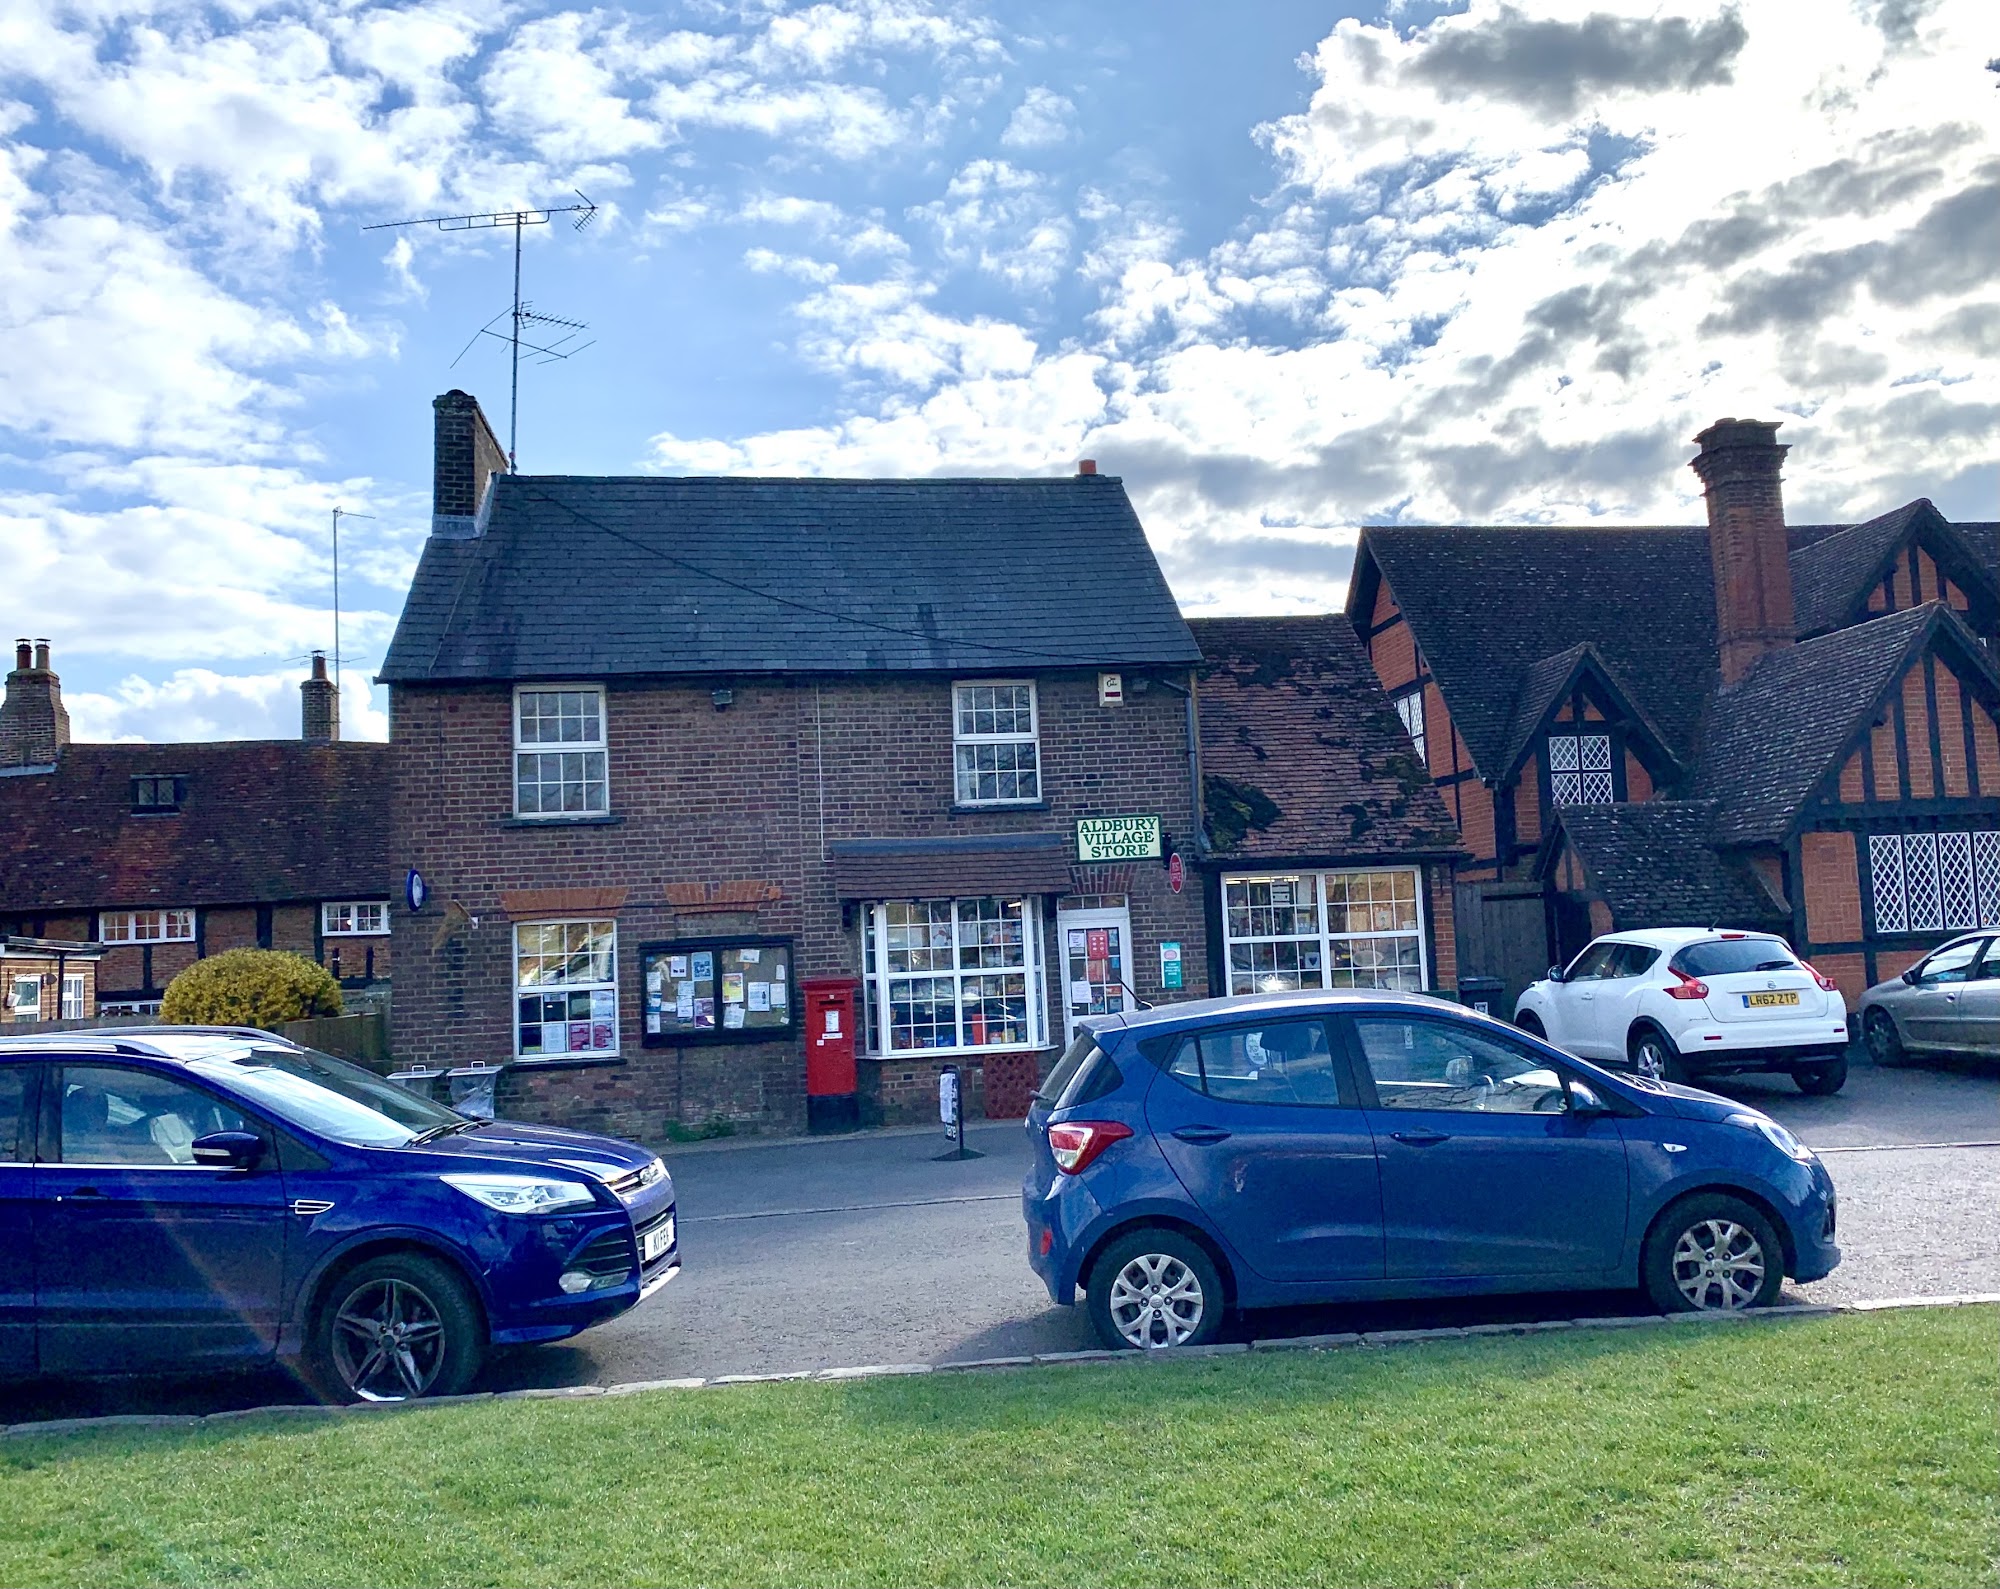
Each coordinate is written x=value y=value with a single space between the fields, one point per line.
x=754 y=793
x=1832 y=879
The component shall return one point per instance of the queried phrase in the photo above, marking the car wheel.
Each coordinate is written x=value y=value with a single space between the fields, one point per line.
x=396 y=1328
x=1885 y=1043
x=1712 y=1253
x=1531 y=1023
x=1652 y=1055
x=1824 y=1080
x=1155 y=1288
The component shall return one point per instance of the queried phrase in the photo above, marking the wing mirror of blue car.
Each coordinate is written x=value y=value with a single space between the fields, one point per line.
x=1584 y=1101
x=229 y=1150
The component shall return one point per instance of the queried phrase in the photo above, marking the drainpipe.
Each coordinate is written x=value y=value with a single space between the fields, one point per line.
x=1186 y=692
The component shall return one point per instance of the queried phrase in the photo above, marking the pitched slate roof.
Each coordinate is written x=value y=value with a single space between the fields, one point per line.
x=1835 y=570
x=1490 y=605
x=1656 y=866
x=1770 y=737
x=262 y=821
x=1303 y=756
x=606 y=575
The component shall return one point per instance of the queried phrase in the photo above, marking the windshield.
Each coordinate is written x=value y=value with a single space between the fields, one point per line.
x=1721 y=957
x=330 y=1097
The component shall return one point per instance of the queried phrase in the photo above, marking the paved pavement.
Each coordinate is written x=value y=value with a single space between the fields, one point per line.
x=803 y=1255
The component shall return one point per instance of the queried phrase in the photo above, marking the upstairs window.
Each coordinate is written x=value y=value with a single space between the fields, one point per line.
x=995 y=749
x=146 y=926
x=559 y=753
x=1410 y=708
x=1580 y=769
x=157 y=793
x=359 y=918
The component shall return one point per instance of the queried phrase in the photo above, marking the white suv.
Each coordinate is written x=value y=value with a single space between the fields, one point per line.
x=1680 y=1003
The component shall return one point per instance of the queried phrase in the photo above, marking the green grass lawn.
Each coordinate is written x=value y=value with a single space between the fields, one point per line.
x=1859 y=1449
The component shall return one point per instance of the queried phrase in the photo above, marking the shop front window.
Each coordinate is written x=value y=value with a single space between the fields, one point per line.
x=954 y=975
x=1359 y=929
x=566 y=989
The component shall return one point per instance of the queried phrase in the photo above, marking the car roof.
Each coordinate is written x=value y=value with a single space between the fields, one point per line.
x=183 y=1044
x=1679 y=937
x=1314 y=1001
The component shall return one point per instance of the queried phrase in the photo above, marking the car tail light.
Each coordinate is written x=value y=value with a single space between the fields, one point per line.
x=1685 y=986
x=1826 y=983
x=1076 y=1142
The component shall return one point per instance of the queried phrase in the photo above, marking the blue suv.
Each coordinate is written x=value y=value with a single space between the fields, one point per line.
x=1263 y=1151
x=184 y=1198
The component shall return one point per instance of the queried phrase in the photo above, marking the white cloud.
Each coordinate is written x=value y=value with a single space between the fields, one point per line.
x=191 y=704
x=1005 y=221
x=1040 y=121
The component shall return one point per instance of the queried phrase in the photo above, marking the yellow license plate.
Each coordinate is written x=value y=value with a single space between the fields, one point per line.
x=1765 y=1001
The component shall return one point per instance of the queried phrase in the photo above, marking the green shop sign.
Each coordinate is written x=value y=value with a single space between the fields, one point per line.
x=1118 y=838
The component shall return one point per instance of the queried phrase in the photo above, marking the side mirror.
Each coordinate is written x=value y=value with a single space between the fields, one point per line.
x=1555 y=973
x=1583 y=1101
x=1913 y=976
x=229 y=1150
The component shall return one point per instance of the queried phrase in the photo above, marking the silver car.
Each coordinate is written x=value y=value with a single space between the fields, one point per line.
x=1947 y=1003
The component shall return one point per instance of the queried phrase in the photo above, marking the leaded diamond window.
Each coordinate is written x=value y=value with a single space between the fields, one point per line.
x=1986 y=876
x=1920 y=878
x=1580 y=769
x=1931 y=882
x=1961 y=905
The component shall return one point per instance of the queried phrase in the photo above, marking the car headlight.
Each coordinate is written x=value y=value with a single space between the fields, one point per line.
x=1776 y=1135
x=522 y=1194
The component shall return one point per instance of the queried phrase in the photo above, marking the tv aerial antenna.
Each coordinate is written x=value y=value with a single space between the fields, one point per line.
x=521 y=315
x=338 y=515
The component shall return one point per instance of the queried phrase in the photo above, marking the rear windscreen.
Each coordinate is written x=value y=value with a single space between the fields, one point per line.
x=1721 y=957
x=1067 y=1067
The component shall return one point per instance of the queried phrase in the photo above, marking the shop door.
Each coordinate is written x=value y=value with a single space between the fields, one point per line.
x=1096 y=964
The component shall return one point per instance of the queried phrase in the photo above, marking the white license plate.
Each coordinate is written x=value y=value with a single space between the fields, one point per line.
x=657 y=1241
x=1769 y=1001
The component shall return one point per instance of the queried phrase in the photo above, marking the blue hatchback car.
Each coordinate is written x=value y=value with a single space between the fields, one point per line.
x=184 y=1198
x=1275 y=1149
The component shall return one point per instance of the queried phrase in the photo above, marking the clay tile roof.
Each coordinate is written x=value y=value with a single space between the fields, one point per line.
x=1656 y=865
x=262 y=821
x=602 y=575
x=1303 y=756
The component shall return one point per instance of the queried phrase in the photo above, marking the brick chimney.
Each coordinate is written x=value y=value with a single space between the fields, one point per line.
x=319 y=706
x=34 y=726
x=466 y=454
x=1738 y=464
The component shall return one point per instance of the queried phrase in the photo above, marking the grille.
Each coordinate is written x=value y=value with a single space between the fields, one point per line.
x=607 y=1254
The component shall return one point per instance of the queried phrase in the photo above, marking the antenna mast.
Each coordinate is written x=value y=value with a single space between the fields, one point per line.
x=521 y=314
x=338 y=515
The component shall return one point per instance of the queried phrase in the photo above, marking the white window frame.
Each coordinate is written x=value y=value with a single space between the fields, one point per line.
x=593 y=987
x=17 y=980
x=598 y=748
x=1322 y=939
x=878 y=980
x=74 y=988
x=130 y=1007
x=974 y=741
x=1582 y=775
x=1410 y=708
x=173 y=924
x=330 y=918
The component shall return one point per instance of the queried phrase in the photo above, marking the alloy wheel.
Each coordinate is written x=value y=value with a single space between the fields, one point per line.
x=1156 y=1301
x=1719 y=1265
x=1651 y=1060
x=388 y=1341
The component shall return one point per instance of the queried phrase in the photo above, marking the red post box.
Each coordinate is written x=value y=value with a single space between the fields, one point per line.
x=832 y=1103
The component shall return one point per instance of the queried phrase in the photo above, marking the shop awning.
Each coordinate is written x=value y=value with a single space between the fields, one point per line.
x=988 y=864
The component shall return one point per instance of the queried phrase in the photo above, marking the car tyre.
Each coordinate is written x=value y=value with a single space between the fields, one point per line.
x=1155 y=1288
x=1531 y=1023
x=1885 y=1043
x=1823 y=1080
x=396 y=1328
x=1653 y=1054
x=1712 y=1253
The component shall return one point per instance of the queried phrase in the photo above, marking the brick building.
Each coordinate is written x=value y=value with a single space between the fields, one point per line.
x=1792 y=726
x=668 y=747
x=1330 y=853
x=160 y=854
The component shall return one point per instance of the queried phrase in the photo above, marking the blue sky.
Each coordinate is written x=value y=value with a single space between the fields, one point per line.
x=1287 y=269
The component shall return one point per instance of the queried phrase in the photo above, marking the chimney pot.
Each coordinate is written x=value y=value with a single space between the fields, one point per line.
x=1087 y=466
x=42 y=655
x=24 y=657
x=1739 y=465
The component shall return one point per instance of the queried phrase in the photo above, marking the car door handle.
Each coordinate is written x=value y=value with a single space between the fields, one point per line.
x=1201 y=1135
x=1420 y=1139
x=88 y=1194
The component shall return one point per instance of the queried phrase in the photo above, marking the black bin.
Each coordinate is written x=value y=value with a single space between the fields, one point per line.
x=1485 y=994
